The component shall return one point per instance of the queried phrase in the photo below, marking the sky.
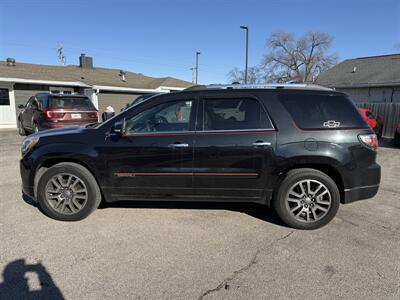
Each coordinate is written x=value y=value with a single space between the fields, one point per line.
x=159 y=38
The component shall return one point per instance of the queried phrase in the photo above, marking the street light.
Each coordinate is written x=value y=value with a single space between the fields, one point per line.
x=247 y=51
x=197 y=65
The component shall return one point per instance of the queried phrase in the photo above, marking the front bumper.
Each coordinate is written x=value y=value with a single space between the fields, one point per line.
x=26 y=177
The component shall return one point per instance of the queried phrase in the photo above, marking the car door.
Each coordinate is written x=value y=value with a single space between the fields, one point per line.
x=154 y=157
x=234 y=148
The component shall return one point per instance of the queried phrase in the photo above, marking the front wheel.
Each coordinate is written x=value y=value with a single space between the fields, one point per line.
x=68 y=192
x=307 y=199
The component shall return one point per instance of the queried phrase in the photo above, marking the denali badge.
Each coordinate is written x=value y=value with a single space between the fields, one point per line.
x=331 y=124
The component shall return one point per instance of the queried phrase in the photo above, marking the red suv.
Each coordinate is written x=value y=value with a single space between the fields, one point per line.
x=47 y=111
x=372 y=121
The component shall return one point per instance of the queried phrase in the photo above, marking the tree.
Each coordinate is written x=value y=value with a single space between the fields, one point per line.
x=254 y=75
x=299 y=60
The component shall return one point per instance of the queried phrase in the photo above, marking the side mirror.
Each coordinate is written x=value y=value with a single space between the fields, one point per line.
x=21 y=106
x=119 y=128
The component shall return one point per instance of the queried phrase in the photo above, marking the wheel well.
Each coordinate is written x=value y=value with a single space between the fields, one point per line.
x=51 y=162
x=327 y=169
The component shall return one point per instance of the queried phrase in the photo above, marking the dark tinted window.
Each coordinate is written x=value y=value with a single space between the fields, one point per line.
x=70 y=102
x=322 y=111
x=234 y=114
x=4 y=97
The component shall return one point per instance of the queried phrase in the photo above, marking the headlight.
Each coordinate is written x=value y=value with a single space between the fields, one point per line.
x=28 y=143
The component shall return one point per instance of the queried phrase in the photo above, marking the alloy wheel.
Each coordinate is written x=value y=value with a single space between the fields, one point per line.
x=66 y=193
x=308 y=201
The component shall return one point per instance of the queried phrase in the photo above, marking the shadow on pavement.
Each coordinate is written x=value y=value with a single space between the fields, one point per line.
x=17 y=277
x=258 y=211
x=254 y=210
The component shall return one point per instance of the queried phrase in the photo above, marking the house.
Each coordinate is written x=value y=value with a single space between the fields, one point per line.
x=19 y=81
x=374 y=79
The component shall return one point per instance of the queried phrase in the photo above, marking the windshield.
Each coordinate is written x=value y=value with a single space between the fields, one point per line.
x=142 y=99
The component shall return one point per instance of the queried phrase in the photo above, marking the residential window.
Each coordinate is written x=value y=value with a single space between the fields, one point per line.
x=170 y=116
x=4 y=97
x=234 y=114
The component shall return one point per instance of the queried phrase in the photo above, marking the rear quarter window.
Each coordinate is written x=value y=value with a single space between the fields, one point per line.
x=322 y=111
x=70 y=102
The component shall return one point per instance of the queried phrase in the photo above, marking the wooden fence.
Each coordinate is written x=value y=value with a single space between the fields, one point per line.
x=388 y=113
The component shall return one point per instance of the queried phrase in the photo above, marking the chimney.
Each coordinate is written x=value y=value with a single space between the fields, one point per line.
x=10 y=62
x=85 y=62
x=122 y=73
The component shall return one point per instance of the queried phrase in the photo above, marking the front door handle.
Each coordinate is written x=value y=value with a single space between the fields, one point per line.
x=261 y=144
x=178 y=145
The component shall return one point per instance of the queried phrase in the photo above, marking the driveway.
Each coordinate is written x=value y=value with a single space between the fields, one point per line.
x=197 y=251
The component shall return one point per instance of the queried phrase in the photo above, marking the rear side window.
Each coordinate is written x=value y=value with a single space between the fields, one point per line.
x=322 y=111
x=234 y=114
x=70 y=102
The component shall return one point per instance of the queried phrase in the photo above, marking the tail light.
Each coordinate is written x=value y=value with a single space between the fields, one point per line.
x=93 y=115
x=50 y=114
x=369 y=140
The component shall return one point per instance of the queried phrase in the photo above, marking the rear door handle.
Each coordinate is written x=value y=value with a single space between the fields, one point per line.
x=261 y=144
x=178 y=145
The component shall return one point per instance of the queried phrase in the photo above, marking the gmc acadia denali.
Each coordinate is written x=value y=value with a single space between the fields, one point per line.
x=301 y=149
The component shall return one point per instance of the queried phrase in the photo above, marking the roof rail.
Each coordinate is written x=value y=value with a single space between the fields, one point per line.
x=295 y=86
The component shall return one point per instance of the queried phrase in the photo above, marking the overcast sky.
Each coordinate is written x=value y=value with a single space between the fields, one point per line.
x=159 y=38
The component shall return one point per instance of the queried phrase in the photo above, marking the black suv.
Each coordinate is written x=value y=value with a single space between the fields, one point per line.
x=299 y=148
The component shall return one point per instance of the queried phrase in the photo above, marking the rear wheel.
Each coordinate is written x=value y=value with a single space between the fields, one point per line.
x=307 y=199
x=68 y=192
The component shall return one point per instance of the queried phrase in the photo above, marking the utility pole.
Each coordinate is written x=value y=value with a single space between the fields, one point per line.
x=197 y=66
x=61 y=57
x=247 y=51
x=193 y=74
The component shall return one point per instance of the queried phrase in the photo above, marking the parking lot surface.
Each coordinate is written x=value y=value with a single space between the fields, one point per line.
x=197 y=251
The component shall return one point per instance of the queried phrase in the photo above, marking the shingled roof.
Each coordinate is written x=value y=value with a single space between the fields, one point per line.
x=95 y=76
x=371 y=71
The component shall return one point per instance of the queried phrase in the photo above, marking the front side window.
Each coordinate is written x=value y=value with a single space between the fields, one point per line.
x=164 y=117
x=4 y=97
x=234 y=114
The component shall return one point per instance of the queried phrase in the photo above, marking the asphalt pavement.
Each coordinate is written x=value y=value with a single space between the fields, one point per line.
x=197 y=251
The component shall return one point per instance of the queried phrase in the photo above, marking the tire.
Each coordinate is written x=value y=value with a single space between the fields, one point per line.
x=397 y=139
x=70 y=211
x=21 y=129
x=313 y=211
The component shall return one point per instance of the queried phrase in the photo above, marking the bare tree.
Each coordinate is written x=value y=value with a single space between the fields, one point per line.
x=300 y=60
x=254 y=75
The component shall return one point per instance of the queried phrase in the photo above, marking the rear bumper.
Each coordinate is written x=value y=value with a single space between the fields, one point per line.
x=52 y=125
x=366 y=185
x=360 y=193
